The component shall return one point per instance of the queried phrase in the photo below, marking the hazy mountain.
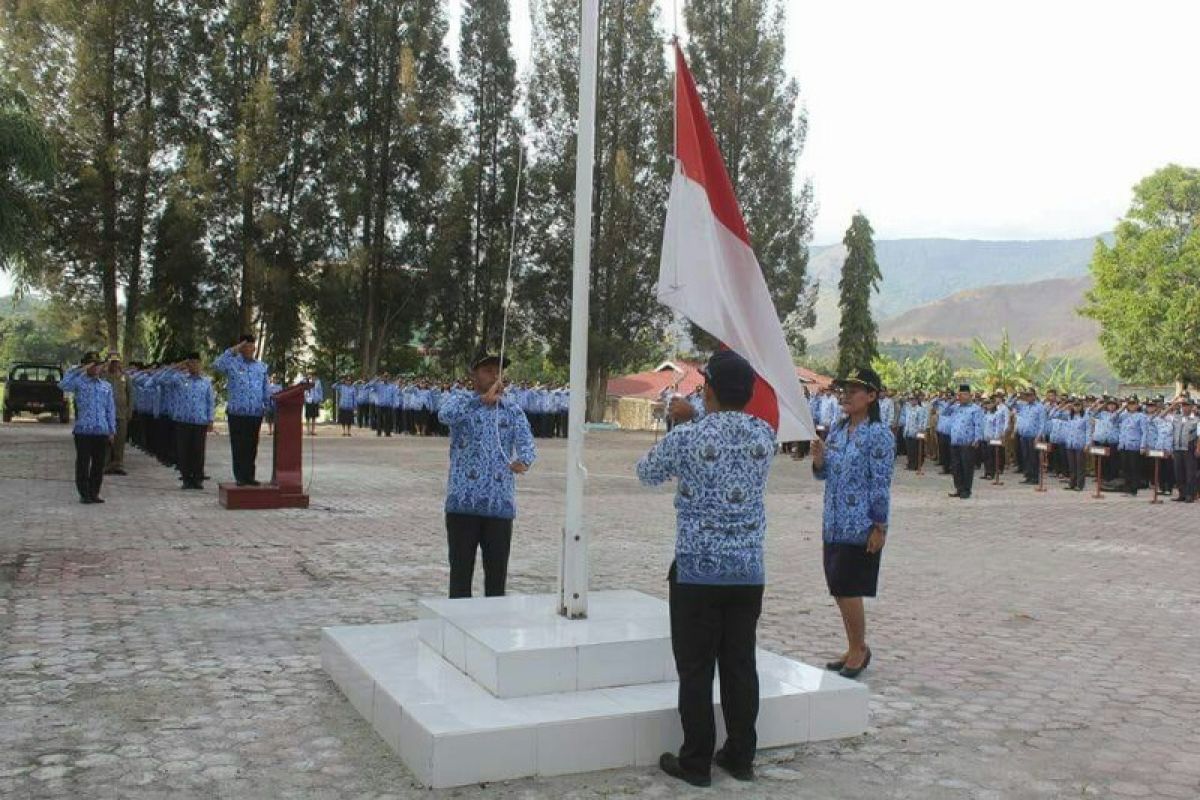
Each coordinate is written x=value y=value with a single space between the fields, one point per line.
x=1041 y=313
x=919 y=271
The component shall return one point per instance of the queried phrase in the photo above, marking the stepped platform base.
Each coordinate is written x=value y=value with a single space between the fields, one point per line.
x=267 y=495
x=451 y=730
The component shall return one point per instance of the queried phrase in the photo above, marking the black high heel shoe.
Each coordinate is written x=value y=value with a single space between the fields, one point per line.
x=846 y=672
x=835 y=666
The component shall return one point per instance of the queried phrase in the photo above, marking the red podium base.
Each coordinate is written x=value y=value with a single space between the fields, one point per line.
x=258 y=497
x=286 y=489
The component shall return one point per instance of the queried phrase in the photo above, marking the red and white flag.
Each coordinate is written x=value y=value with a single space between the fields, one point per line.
x=709 y=272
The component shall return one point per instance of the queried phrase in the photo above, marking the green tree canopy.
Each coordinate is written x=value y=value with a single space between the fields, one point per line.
x=26 y=159
x=1147 y=284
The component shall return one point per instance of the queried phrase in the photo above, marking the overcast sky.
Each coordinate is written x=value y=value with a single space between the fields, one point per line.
x=1017 y=120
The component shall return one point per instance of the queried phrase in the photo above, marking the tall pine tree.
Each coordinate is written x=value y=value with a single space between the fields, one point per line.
x=632 y=176
x=857 y=344
x=736 y=52
x=469 y=273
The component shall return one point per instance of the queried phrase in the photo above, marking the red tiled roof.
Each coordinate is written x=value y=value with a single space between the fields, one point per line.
x=649 y=385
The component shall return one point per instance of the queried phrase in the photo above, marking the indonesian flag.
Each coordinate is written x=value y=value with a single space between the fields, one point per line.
x=709 y=272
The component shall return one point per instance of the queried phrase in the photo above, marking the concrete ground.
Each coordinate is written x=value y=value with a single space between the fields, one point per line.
x=1026 y=645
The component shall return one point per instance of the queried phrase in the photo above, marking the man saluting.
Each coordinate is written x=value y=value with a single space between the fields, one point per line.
x=249 y=394
x=490 y=443
x=95 y=424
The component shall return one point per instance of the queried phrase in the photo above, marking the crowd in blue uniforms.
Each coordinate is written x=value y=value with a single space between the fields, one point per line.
x=1139 y=437
x=389 y=405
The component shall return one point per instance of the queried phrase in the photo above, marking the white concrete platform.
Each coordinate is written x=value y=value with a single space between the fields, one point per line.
x=450 y=730
x=519 y=645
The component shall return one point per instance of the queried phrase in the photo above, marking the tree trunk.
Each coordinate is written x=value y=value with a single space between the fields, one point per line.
x=133 y=289
x=108 y=190
x=597 y=393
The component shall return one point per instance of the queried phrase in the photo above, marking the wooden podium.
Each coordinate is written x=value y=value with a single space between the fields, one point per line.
x=286 y=489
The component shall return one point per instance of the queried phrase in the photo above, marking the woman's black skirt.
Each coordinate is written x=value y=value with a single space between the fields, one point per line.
x=311 y=410
x=345 y=416
x=850 y=571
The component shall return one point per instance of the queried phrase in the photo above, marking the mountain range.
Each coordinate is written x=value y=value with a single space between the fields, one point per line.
x=949 y=291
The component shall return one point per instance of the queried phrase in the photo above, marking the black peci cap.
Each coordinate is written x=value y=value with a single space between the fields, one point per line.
x=731 y=377
x=90 y=357
x=192 y=356
x=863 y=376
x=246 y=337
x=484 y=359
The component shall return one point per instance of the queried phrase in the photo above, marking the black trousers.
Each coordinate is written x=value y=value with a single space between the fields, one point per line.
x=189 y=447
x=1131 y=469
x=243 y=445
x=384 y=420
x=945 y=452
x=90 y=454
x=364 y=414
x=713 y=627
x=467 y=533
x=1166 y=472
x=1030 y=458
x=1186 y=467
x=990 y=452
x=1076 y=467
x=962 y=467
x=912 y=450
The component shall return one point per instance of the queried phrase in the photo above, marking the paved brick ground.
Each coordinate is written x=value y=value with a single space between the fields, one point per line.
x=157 y=646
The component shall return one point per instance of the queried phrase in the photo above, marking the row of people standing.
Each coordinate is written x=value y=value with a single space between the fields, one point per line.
x=1002 y=429
x=388 y=405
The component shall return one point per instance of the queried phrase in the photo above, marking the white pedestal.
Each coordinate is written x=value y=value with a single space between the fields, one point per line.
x=473 y=713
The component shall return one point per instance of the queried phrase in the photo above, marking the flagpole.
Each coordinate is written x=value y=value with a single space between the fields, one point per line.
x=573 y=560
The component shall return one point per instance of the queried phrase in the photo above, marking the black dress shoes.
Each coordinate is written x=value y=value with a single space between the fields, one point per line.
x=669 y=763
x=738 y=772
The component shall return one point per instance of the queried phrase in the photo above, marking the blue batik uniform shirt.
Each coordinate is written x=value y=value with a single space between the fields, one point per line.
x=1031 y=419
x=946 y=411
x=721 y=463
x=966 y=426
x=1075 y=431
x=345 y=396
x=95 y=409
x=1158 y=434
x=193 y=399
x=246 y=383
x=1132 y=430
x=858 y=481
x=484 y=440
x=916 y=420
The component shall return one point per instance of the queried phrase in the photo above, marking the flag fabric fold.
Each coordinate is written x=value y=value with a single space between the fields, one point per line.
x=709 y=272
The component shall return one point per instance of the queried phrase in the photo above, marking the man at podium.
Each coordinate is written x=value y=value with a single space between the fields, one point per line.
x=248 y=393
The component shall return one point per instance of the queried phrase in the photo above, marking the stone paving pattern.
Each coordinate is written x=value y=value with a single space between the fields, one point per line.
x=1026 y=645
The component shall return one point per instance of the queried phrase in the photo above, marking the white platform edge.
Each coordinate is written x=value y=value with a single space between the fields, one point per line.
x=625 y=642
x=450 y=731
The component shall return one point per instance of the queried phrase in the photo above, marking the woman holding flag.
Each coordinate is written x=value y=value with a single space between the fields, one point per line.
x=855 y=461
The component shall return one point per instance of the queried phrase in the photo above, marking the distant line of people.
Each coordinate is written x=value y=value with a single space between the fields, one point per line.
x=965 y=431
x=393 y=405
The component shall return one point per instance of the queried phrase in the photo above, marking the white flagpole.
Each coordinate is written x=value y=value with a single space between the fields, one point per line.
x=573 y=561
